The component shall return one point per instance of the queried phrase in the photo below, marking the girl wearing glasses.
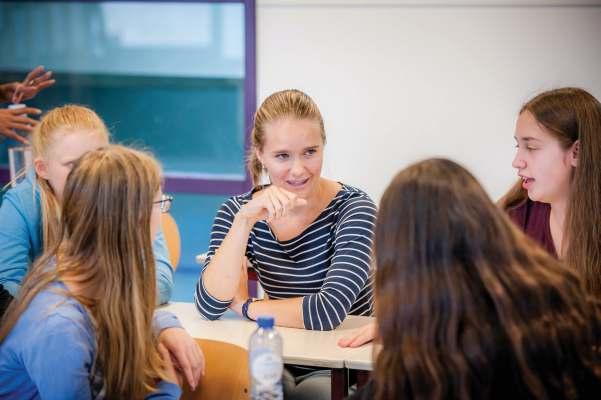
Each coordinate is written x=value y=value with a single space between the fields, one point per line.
x=30 y=212
x=307 y=237
x=82 y=326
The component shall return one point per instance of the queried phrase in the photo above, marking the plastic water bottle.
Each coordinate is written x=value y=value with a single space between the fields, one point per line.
x=265 y=362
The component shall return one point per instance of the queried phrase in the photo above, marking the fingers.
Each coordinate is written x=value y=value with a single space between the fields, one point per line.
x=38 y=79
x=25 y=110
x=17 y=97
x=271 y=206
x=43 y=85
x=198 y=362
x=281 y=202
x=9 y=133
x=25 y=120
x=34 y=73
x=192 y=363
x=350 y=341
x=201 y=361
x=360 y=337
x=21 y=126
x=170 y=372
x=359 y=340
x=186 y=367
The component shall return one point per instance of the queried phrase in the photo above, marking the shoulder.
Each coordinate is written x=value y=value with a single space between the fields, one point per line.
x=528 y=212
x=52 y=310
x=353 y=200
x=52 y=318
x=233 y=204
x=24 y=198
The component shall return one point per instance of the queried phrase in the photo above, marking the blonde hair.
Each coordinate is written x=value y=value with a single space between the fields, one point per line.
x=69 y=118
x=105 y=249
x=286 y=103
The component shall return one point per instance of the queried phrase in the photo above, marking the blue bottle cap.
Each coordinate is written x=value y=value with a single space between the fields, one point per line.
x=265 y=322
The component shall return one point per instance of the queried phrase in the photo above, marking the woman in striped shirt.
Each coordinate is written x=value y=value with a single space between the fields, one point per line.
x=307 y=237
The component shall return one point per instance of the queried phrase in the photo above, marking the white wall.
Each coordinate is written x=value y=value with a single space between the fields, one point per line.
x=398 y=81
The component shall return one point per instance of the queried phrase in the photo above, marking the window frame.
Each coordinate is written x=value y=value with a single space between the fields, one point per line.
x=217 y=186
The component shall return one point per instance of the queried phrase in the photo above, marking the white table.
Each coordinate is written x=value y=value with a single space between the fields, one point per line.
x=301 y=346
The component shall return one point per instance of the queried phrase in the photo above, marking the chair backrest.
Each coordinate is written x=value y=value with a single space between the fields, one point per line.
x=172 y=238
x=226 y=373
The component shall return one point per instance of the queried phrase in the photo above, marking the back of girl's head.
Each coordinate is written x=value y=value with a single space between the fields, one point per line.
x=68 y=118
x=107 y=244
x=290 y=103
x=108 y=199
x=457 y=286
x=105 y=250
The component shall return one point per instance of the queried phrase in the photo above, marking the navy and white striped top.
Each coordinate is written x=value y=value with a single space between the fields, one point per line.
x=328 y=264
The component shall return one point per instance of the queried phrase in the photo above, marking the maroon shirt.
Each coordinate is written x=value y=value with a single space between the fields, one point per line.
x=533 y=218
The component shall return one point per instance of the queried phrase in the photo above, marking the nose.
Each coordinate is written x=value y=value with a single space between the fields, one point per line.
x=518 y=161
x=298 y=167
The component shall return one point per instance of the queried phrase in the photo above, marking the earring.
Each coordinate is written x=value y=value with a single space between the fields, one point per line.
x=265 y=179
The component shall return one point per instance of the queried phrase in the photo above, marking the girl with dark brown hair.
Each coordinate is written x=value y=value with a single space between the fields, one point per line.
x=467 y=306
x=558 y=158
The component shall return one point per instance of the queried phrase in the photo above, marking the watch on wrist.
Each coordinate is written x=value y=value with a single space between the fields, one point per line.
x=245 y=307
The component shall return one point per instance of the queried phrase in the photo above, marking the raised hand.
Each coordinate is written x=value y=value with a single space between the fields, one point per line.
x=270 y=204
x=37 y=80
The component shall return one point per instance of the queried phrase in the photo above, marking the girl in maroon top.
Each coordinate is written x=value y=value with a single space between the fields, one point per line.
x=558 y=158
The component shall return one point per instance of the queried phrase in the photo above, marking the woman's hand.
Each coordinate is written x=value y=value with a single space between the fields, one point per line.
x=270 y=204
x=359 y=337
x=168 y=366
x=16 y=119
x=37 y=80
x=185 y=355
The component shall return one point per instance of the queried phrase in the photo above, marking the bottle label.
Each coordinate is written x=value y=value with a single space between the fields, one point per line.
x=266 y=368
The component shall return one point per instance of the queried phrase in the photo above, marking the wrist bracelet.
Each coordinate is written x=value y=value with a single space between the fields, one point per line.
x=245 y=308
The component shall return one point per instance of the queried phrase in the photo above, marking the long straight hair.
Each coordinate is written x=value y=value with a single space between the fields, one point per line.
x=463 y=297
x=571 y=114
x=69 y=119
x=105 y=249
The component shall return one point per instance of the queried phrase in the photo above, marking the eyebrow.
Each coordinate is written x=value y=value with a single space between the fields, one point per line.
x=527 y=139
x=288 y=151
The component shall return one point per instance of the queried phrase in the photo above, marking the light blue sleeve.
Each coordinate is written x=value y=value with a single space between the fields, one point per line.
x=15 y=244
x=59 y=360
x=165 y=391
x=163 y=319
x=164 y=269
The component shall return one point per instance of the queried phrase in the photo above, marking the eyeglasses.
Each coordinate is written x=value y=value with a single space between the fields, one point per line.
x=164 y=203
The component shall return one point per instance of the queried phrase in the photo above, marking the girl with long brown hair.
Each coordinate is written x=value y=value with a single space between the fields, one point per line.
x=467 y=306
x=82 y=326
x=558 y=158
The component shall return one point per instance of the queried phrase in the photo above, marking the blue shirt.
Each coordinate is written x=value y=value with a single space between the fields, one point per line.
x=21 y=239
x=328 y=264
x=50 y=352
